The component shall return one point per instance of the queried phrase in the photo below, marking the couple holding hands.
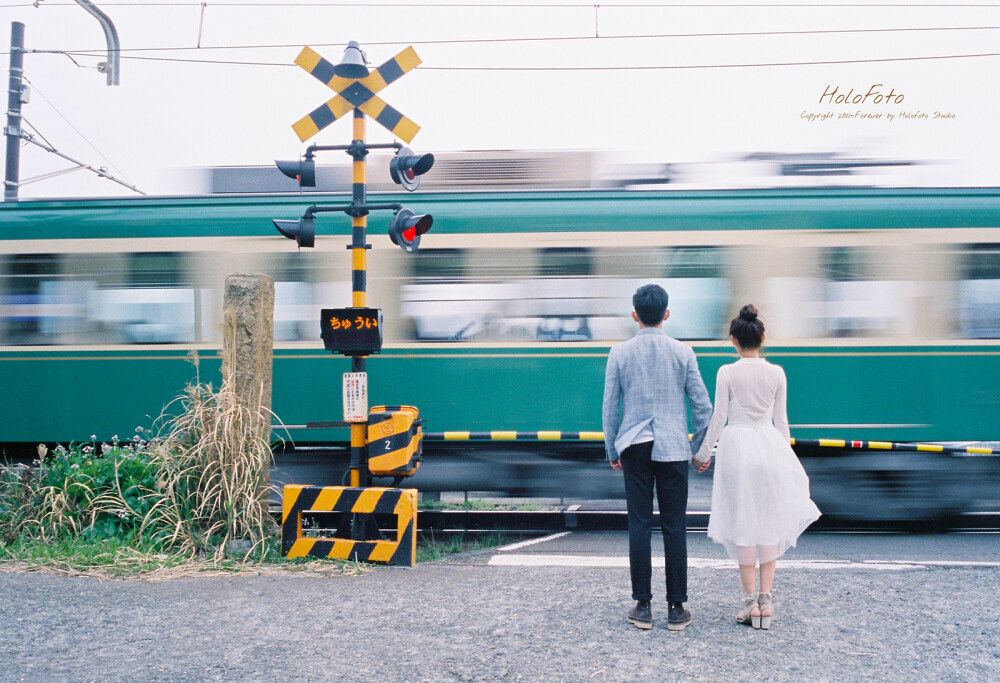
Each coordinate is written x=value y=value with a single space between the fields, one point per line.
x=760 y=493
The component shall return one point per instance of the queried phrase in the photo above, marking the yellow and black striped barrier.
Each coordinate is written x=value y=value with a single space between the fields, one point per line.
x=297 y=500
x=893 y=446
x=599 y=436
x=514 y=436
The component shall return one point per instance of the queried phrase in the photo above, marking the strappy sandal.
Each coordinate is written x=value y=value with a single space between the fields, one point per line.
x=749 y=602
x=764 y=602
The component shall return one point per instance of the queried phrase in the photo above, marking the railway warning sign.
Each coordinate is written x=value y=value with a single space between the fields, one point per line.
x=356 y=93
x=355 y=397
x=351 y=331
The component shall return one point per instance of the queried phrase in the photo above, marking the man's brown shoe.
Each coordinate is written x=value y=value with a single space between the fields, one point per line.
x=678 y=618
x=640 y=616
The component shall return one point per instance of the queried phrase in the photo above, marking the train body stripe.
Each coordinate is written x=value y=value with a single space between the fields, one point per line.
x=549 y=436
x=592 y=436
x=503 y=436
x=456 y=436
x=929 y=447
x=883 y=445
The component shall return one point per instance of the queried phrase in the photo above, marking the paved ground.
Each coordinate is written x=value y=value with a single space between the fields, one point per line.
x=467 y=619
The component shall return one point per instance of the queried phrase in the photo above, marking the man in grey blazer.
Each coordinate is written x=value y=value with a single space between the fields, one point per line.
x=646 y=436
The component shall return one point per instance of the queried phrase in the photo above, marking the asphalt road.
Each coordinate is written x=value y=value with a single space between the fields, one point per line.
x=849 y=607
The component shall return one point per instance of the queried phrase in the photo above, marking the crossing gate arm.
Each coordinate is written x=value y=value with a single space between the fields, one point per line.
x=298 y=500
x=844 y=444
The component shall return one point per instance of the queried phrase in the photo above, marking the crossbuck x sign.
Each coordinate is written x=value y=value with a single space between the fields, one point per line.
x=357 y=93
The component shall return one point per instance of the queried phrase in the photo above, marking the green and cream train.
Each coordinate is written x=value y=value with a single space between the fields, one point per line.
x=882 y=305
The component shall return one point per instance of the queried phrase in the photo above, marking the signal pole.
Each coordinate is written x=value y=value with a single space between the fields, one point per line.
x=359 y=264
x=13 y=128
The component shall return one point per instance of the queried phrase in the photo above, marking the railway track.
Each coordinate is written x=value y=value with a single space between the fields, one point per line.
x=857 y=491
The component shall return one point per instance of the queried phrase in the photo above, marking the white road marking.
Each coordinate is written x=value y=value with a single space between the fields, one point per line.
x=532 y=541
x=615 y=562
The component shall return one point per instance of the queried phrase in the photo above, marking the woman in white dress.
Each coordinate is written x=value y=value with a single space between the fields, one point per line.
x=760 y=493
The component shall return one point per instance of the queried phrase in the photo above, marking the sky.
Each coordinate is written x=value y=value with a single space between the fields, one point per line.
x=167 y=117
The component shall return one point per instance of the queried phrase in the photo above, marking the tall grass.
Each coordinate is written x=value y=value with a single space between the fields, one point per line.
x=198 y=486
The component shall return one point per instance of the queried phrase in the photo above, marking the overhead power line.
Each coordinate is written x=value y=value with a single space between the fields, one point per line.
x=527 y=5
x=471 y=41
x=649 y=67
x=78 y=132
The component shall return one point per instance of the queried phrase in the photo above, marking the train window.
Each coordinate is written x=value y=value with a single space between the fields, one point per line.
x=441 y=302
x=563 y=294
x=696 y=278
x=565 y=262
x=861 y=296
x=979 y=292
x=439 y=264
x=153 y=301
x=295 y=317
x=30 y=307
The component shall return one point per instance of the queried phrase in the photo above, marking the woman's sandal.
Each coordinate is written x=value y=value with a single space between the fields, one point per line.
x=749 y=603
x=766 y=609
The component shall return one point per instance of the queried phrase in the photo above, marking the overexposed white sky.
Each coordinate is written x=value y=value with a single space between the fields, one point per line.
x=167 y=116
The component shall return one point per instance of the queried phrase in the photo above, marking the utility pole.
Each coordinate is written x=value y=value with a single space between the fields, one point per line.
x=13 y=128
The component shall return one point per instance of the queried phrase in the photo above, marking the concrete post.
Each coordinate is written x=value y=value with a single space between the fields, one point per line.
x=248 y=336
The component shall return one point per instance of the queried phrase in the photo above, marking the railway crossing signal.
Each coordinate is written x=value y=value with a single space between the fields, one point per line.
x=406 y=168
x=357 y=331
x=406 y=228
x=303 y=170
x=356 y=91
x=303 y=231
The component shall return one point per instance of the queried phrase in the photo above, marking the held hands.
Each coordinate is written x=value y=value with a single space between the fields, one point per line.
x=700 y=466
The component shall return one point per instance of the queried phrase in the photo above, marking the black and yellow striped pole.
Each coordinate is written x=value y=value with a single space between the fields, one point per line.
x=359 y=259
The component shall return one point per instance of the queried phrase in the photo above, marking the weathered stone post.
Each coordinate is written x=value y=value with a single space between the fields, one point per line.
x=248 y=341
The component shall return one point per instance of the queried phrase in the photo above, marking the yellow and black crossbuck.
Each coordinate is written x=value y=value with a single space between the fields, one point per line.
x=298 y=499
x=357 y=93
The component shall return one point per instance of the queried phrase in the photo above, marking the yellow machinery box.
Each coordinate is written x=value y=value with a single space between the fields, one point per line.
x=395 y=441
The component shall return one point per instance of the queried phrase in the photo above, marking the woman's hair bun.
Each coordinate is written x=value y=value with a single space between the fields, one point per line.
x=749 y=313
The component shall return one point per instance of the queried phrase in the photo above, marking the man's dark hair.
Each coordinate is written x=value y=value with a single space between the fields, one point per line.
x=650 y=303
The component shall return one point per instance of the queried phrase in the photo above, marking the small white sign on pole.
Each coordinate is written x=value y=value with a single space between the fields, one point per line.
x=355 y=397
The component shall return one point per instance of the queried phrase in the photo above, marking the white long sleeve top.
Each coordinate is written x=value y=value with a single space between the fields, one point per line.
x=755 y=384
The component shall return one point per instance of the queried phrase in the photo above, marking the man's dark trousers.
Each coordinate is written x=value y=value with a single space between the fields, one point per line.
x=671 y=482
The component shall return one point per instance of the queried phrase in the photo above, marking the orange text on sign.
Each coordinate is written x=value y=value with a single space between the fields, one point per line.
x=359 y=323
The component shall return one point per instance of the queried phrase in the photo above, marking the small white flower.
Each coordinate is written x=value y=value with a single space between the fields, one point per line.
x=87 y=449
x=123 y=513
x=93 y=437
x=75 y=466
x=60 y=449
x=105 y=448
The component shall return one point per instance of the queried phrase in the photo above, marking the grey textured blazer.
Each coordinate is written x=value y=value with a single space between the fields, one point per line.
x=650 y=375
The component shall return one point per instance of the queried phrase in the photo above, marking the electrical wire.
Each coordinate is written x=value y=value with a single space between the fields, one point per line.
x=529 y=5
x=654 y=67
x=37 y=132
x=469 y=41
x=78 y=132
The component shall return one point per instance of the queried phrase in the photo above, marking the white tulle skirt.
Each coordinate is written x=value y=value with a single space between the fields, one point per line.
x=760 y=494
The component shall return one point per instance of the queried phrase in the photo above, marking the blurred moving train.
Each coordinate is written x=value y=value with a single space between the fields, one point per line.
x=882 y=305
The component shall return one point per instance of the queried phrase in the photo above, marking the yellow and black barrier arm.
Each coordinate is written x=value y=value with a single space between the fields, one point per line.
x=845 y=444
